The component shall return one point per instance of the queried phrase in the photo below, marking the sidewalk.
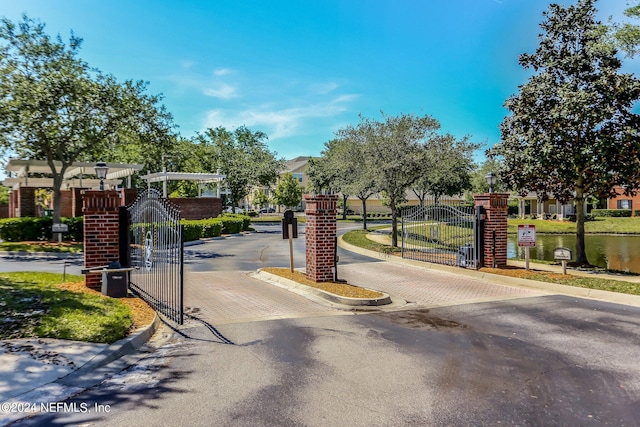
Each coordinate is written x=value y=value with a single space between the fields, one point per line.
x=40 y=371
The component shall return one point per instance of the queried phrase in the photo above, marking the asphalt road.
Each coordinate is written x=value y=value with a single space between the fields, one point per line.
x=265 y=248
x=550 y=360
x=536 y=361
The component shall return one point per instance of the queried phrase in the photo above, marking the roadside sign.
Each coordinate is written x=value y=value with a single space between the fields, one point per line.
x=562 y=254
x=59 y=228
x=526 y=235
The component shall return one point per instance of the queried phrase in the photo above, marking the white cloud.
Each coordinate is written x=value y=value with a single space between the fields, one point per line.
x=222 y=71
x=223 y=91
x=324 y=88
x=278 y=122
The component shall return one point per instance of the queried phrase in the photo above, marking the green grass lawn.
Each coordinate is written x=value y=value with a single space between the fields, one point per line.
x=33 y=306
x=65 y=247
x=599 y=226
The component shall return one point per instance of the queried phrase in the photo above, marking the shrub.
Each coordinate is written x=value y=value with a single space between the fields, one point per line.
x=192 y=229
x=611 y=213
x=38 y=228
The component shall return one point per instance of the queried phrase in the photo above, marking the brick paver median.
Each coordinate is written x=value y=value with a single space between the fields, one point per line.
x=428 y=287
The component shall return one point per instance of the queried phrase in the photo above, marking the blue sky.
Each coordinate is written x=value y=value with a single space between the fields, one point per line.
x=300 y=70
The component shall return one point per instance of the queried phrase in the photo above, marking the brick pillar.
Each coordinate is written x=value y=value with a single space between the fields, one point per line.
x=66 y=203
x=76 y=202
x=320 y=232
x=12 y=203
x=101 y=238
x=496 y=210
x=26 y=201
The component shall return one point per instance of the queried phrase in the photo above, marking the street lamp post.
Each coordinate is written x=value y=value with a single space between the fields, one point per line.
x=101 y=171
x=492 y=179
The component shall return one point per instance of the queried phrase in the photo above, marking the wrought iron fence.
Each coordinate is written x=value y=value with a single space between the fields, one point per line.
x=156 y=253
x=443 y=231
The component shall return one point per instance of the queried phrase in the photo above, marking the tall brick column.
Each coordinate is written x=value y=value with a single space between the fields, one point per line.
x=496 y=210
x=320 y=235
x=13 y=197
x=101 y=239
x=26 y=201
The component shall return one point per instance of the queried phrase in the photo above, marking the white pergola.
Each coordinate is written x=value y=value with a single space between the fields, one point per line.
x=200 y=178
x=78 y=175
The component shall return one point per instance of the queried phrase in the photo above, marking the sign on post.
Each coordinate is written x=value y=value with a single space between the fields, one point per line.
x=290 y=231
x=526 y=239
x=526 y=235
x=60 y=228
x=564 y=255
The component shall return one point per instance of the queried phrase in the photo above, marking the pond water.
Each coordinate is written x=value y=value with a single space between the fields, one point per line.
x=614 y=252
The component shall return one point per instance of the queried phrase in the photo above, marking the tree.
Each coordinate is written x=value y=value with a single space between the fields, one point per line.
x=54 y=107
x=260 y=198
x=571 y=131
x=288 y=191
x=241 y=155
x=393 y=150
x=357 y=176
x=446 y=168
x=627 y=36
x=4 y=195
x=479 y=181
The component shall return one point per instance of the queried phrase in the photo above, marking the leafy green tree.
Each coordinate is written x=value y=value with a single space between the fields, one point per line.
x=260 y=198
x=446 y=168
x=4 y=195
x=54 y=107
x=626 y=36
x=479 y=181
x=571 y=131
x=393 y=149
x=241 y=155
x=320 y=174
x=357 y=175
x=288 y=191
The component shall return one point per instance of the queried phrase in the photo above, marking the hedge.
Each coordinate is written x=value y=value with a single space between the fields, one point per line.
x=611 y=212
x=195 y=229
x=38 y=228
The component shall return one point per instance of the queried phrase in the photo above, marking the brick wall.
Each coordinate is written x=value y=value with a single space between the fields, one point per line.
x=496 y=210
x=612 y=203
x=66 y=203
x=4 y=211
x=26 y=205
x=198 y=208
x=128 y=195
x=320 y=235
x=101 y=239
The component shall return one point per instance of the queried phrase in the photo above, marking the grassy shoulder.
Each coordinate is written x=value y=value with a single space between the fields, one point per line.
x=40 y=305
x=55 y=247
x=358 y=238
x=597 y=226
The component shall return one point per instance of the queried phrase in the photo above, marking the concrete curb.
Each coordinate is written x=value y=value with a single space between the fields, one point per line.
x=114 y=351
x=92 y=372
x=305 y=290
x=614 y=297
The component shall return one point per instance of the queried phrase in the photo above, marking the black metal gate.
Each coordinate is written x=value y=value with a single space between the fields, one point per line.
x=156 y=253
x=443 y=232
